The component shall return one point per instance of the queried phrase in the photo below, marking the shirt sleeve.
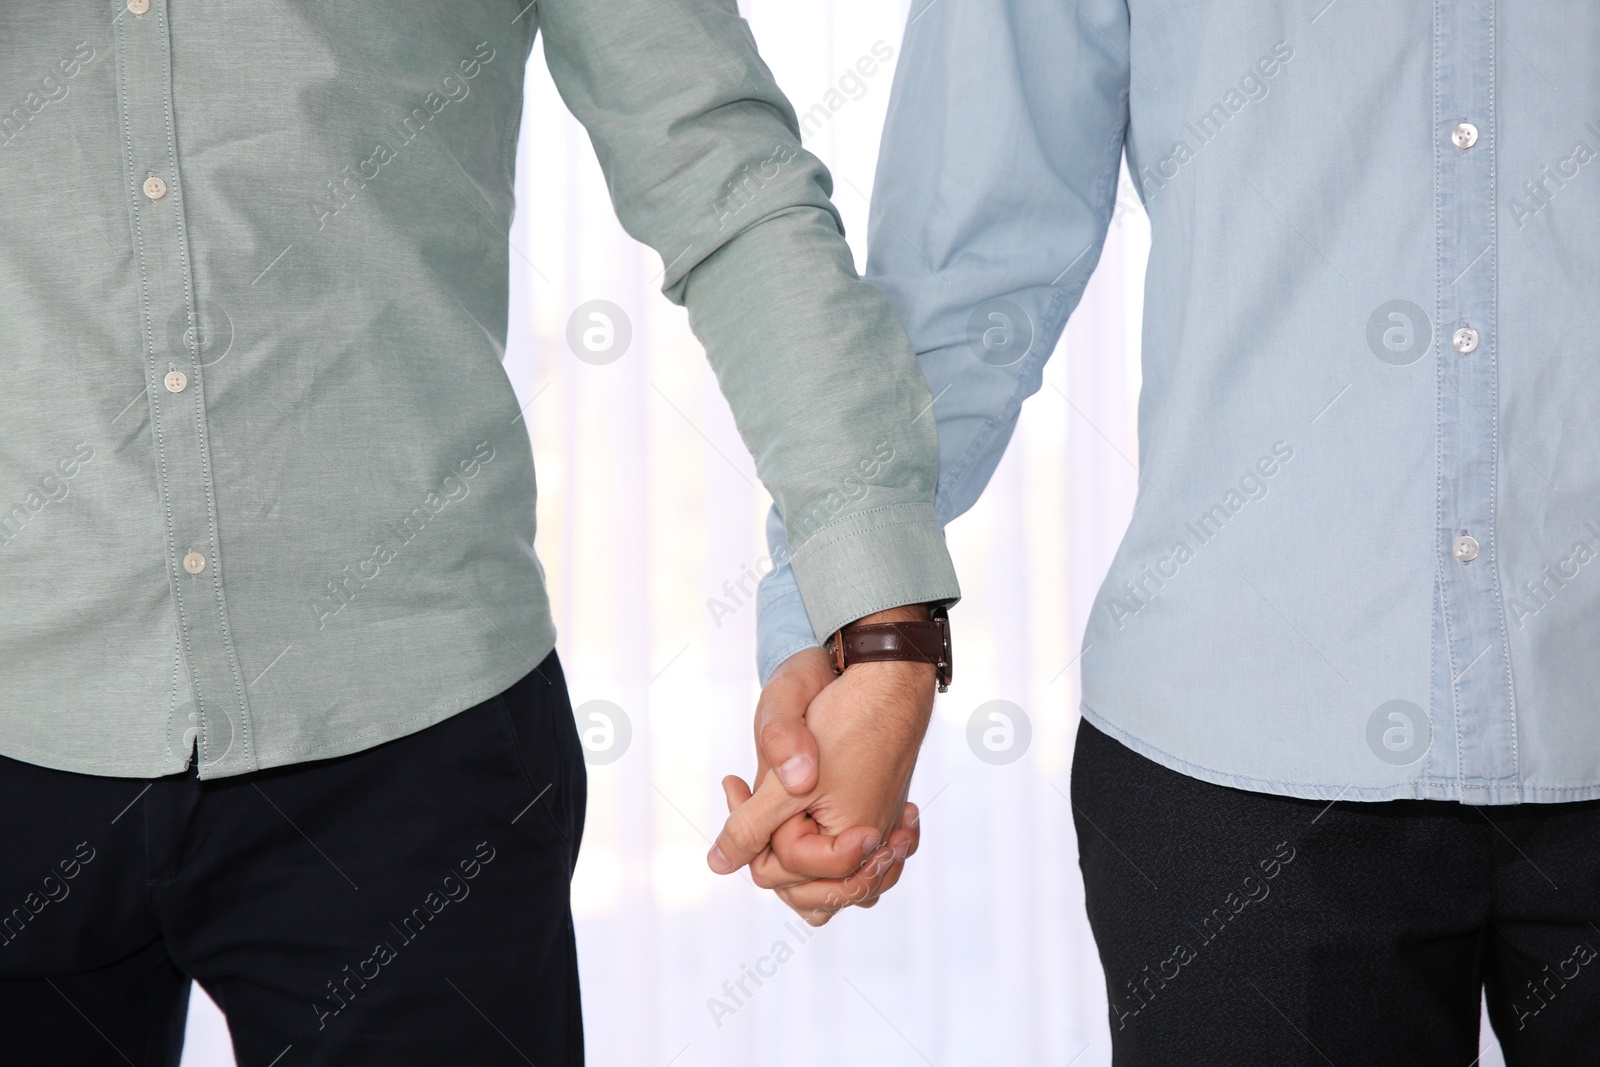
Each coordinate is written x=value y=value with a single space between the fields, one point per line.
x=995 y=187
x=702 y=155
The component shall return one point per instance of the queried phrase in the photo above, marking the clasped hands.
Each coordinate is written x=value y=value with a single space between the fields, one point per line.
x=828 y=824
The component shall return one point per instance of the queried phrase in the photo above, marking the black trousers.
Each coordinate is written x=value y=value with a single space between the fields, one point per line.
x=1244 y=929
x=403 y=905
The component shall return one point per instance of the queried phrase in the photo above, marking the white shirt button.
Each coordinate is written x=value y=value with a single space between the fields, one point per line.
x=194 y=563
x=1464 y=136
x=1465 y=340
x=138 y=7
x=177 y=381
x=1465 y=548
x=155 y=188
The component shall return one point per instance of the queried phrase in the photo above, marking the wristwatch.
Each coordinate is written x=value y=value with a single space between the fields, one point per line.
x=881 y=642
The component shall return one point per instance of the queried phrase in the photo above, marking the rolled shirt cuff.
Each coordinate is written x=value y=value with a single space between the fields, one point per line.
x=873 y=560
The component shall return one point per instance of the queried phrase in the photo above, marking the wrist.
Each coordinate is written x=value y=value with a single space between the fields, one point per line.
x=916 y=634
x=896 y=697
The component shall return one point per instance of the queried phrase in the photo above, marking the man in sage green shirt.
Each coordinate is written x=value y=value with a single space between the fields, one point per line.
x=277 y=653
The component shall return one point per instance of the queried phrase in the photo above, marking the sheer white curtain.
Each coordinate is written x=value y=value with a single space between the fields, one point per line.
x=649 y=505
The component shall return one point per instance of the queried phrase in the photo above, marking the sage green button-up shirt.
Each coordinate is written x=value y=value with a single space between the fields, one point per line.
x=265 y=495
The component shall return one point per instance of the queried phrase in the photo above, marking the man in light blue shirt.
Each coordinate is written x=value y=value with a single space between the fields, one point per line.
x=1361 y=571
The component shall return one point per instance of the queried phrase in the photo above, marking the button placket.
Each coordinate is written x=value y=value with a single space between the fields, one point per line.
x=1472 y=657
x=178 y=426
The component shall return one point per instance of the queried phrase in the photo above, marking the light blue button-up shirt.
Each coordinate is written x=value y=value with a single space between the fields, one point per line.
x=1363 y=558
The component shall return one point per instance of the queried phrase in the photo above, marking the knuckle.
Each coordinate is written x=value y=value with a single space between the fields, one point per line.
x=772 y=734
x=740 y=837
x=769 y=876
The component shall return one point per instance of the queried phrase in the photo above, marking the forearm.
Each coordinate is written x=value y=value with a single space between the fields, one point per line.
x=703 y=157
x=827 y=396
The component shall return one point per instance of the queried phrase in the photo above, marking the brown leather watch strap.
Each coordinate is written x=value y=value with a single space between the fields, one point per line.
x=881 y=642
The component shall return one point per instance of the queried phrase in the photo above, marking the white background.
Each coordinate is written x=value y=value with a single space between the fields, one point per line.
x=648 y=503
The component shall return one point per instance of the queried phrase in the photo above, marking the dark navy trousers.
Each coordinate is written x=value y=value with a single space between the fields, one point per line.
x=1243 y=929
x=407 y=904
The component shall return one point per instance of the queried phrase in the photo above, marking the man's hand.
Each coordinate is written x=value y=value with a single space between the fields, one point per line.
x=829 y=825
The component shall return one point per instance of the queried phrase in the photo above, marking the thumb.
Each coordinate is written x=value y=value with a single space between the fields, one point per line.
x=783 y=741
x=752 y=820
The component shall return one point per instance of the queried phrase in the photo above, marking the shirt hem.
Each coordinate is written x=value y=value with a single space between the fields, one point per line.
x=1485 y=794
x=353 y=743
x=100 y=768
x=348 y=744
